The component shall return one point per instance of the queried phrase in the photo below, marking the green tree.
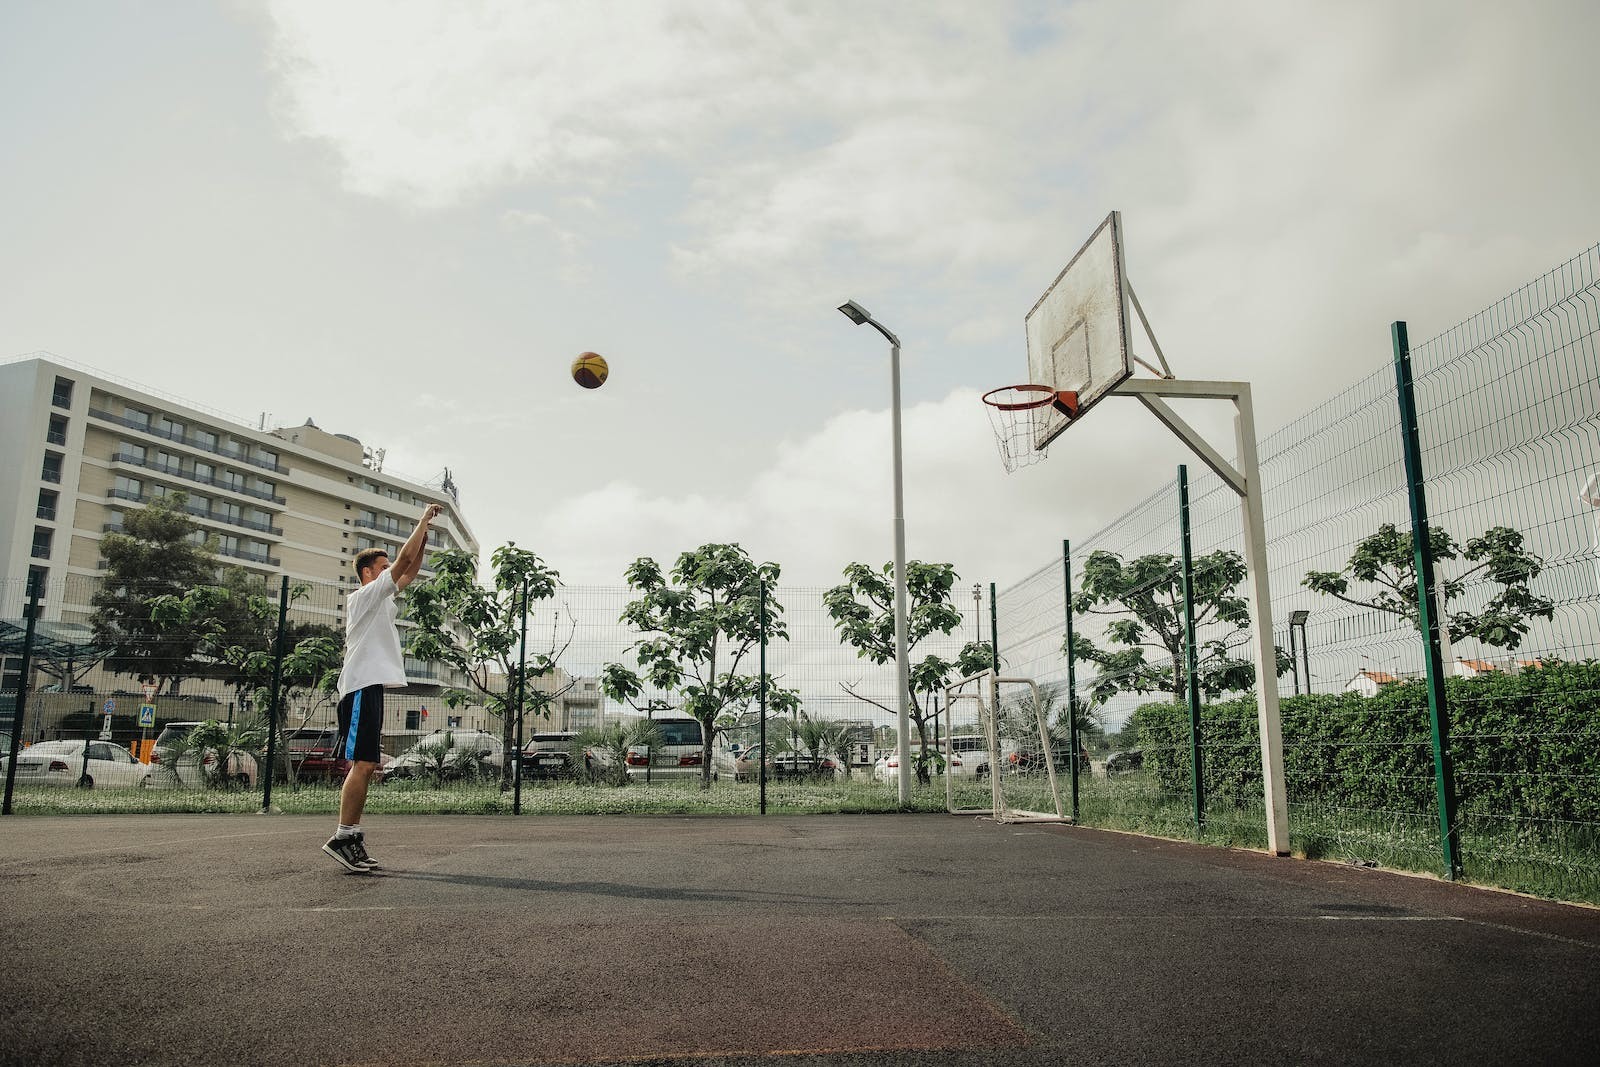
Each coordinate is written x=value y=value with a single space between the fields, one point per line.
x=477 y=631
x=158 y=553
x=1385 y=562
x=862 y=610
x=698 y=624
x=1146 y=598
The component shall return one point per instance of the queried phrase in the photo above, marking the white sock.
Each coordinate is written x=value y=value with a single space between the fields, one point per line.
x=347 y=831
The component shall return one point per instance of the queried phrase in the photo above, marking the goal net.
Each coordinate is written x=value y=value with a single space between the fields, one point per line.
x=1002 y=761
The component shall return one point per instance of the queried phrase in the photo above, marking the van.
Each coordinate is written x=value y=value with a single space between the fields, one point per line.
x=678 y=755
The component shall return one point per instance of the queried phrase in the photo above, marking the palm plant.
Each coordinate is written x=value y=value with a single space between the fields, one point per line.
x=213 y=745
x=613 y=743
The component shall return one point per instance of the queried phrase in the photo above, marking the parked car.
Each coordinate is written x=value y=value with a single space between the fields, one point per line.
x=887 y=769
x=63 y=763
x=311 y=756
x=166 y=769
x=972 y=755
x=449 y=755
x=803 y=765
x=554 y=755
x=678 y=756
x=1125 y=762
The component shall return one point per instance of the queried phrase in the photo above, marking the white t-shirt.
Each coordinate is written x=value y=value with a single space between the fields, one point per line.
x=371 y=640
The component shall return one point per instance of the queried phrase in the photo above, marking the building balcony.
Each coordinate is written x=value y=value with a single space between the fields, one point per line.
x=391 y=528
x=248 y=556
x=202 y=513
x=188 y=475
x=188 y=441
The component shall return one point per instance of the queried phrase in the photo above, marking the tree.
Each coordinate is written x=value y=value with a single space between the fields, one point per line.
x=862 y=610
x=1150 y=590
x=156 y=555
x=1386 y=561
x=698 y=624
x=477 y=630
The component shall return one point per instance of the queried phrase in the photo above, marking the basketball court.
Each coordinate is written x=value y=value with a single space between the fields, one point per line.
x=863 y=940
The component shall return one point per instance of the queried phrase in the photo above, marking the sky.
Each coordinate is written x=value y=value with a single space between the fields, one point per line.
x=403 y=220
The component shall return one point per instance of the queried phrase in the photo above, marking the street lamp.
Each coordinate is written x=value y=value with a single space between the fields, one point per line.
x=1297 y=621
x=861 y=317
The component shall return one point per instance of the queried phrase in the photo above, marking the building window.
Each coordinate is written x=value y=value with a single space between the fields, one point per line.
x=453 y=721
x=11 y=673
x=231 y=480
x=63 y=393
x=127 y=488
x=47 y=504
x=413 y=719
x=170 y=428
x=204 y=472
x=200 y=505
x=38 y=578
x=267 y=457
x=168 y=462
x=51 y=471
x=42 y=536
x=57 y=433
x=130 y=452
x=138 y=418
x=206 y=440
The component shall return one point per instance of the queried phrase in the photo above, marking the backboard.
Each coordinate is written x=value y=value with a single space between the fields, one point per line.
x=1078 y=330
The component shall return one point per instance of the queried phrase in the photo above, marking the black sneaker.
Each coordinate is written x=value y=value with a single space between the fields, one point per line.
x=363 y=859
x=348 y=851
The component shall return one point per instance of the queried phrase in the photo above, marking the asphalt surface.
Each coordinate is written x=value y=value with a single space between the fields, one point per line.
x=870 y=940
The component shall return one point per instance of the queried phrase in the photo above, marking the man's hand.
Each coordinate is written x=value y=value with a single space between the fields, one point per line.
x=431 y=512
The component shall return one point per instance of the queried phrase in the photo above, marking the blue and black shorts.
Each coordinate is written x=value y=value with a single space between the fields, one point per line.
x=361 y=725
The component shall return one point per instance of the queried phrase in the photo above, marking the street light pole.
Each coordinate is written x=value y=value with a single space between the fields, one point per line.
x=861 y=317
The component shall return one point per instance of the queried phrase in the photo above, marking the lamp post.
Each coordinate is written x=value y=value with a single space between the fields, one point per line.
x=977 y=612
x=1298 y=650
x=861 y=317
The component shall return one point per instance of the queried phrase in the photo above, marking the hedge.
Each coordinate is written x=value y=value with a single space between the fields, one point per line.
x=1525 y=746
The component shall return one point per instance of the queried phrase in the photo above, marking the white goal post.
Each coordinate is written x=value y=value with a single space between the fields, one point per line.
x=1018 y=762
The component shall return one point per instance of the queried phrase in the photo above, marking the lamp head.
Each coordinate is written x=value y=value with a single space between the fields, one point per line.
x=855 y=312
x=1298 y=618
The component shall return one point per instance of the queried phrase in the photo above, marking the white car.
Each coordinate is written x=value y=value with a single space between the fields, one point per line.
x=109 y=766
x=678 y=756
x=887 y=769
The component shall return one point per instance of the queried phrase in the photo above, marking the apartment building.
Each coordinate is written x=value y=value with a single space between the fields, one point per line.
x=81 y=449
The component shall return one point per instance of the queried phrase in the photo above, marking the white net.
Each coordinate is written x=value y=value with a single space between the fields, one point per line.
x=1020 y=416
x=1007 y=757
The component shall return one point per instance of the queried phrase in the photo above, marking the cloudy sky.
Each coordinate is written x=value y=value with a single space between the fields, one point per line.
x=403 y=220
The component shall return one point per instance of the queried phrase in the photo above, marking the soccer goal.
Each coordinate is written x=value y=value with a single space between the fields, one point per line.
x=1014 y=756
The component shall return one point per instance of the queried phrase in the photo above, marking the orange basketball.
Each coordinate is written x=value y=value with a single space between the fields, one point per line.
x=589 y=370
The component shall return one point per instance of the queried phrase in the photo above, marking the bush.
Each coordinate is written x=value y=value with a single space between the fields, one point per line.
x=1525 y=746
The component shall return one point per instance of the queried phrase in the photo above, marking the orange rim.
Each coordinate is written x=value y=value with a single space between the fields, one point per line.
x=1019 y=397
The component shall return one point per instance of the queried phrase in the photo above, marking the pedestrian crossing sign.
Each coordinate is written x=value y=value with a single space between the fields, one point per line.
x=147 y=716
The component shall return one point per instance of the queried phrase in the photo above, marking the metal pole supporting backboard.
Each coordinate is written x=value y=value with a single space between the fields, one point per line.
x=1245 y=480
x=1072 y=681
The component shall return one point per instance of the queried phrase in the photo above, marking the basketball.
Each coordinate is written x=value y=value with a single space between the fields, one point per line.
x=589 y=370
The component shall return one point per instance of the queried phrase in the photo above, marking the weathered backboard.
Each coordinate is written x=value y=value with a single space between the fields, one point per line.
x=1078 y=331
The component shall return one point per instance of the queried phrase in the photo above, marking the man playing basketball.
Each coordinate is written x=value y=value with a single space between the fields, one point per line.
x=372 y=663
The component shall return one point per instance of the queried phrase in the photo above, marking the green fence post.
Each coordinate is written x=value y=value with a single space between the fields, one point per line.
x=1072 y=681
x=762 y=762
x=1438 y=706
x=21 y=705
x=1191 y=657
x=277 y=689
x=522 y=693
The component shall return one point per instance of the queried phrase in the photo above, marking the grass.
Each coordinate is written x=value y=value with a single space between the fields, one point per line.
x=1557 y=861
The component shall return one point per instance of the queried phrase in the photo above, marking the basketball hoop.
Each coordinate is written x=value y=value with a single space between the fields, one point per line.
x=1021 y=415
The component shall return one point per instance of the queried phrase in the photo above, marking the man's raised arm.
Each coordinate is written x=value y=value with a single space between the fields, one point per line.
x=409 y=561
